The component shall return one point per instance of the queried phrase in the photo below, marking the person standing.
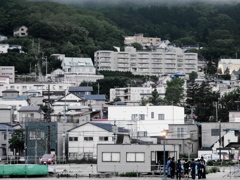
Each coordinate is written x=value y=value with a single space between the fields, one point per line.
x=199 y=168
x=173 y=167
x=168 y=167
x=186 y=169
x=178 y=169
x=193 y=169
x=203 y=168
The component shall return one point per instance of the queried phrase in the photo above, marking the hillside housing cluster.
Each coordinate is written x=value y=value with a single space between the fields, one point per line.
x=84 y=125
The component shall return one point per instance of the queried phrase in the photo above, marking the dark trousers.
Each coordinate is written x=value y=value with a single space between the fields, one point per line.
x=193 y=174
x=172 y=173
x=178 y=174
x=199 y=173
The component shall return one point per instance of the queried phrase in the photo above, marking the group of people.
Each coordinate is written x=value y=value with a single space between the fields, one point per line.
x=193 y=167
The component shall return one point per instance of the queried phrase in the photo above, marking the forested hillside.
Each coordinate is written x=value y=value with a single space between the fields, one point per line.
x=78 y=31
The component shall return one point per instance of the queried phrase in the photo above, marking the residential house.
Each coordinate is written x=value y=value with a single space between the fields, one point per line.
x=32 y=93
x=83 y=139
x=7 y=113
x=4 y=48
x=30 y=114
x=141 y=158
x=80 y=91
x=143 y=121
x=8 y=71
x=20 y=31
x=10 y=94
x=4 y=79
x=96 y=102
x=186 y=136
x=5 y=135
x=155 y=63
x=2 y=38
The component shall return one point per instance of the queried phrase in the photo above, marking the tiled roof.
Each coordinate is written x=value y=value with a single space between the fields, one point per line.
x=30 y=109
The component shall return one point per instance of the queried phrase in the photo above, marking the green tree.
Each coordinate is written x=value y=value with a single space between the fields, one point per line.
x=154 y=99
x=174 y=91
x=192 y=76
x=17 y=140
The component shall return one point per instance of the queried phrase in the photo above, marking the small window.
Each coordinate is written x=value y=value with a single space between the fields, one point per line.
x=111 y=157
x=214 y=132
x=88 y=138
x=36 y=135
x=152 y=115
x=103 y=138
x=141 y=116
x=73 y=138
x=135 y=157
x=160 y=116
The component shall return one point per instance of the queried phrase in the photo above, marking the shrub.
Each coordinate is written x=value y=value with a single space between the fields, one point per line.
x=210 y=162
x=128 y=174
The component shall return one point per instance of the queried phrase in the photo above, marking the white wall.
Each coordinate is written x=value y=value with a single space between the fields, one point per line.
x=122 y=115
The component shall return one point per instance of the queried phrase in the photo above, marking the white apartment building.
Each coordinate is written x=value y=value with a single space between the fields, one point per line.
x=8 y=71
x=144 y=41
x=4 y=48
x=145 y=121
x=156 y=63
x=134 y=95
x=22 y=88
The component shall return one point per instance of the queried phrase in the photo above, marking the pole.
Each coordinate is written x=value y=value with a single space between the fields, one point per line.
x=49 y=121
x=219 y=131
x=64 y=135
x=164 y=159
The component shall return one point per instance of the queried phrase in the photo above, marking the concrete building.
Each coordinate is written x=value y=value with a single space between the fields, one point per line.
x=144 y=41
x=4 y=79
x=156 y=63
x=4 y=48
x=141 y=158
x=5 y=135
x=8 y=71
x=2 y=38
x=143 y=121
x=30 y=113
x=7 y=113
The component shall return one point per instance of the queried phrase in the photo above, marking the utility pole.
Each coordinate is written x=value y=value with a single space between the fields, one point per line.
x=64 y=133
x=48 y=120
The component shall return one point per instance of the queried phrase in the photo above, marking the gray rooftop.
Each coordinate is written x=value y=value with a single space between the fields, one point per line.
x=30 y=109
x=10 y=90
x=105 y=126
x=80 y=88
x=95 y=97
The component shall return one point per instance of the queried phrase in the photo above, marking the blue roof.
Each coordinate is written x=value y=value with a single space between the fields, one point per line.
x=21 y=98
x=105 y=126
x=4 y=127
x=80 y=88
x=32 y=91
x=95 y=97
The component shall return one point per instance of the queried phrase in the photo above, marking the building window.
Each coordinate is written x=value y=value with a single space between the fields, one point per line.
x=141 y=116
x=152 y=115
x=111 y=157
x=88 y=138
x=73 y=138
x=135 y=157
x=181 y=132
x=88 y=155
x=214 y=132
x=138 y=117
x=103 y=138
x=160 y=116
x=36 y=135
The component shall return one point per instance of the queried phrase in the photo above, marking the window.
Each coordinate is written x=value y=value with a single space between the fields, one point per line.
x=141 y=117
x=134 y=117
x=138 y=116
x=160 y=116
x=88 y=155
x=111 y=157
x=73 y=138
x=152 y=115
x=181 y=132
x=103 y=138
x=36 y=135
x=88 y=138
x=214 y=132
x=135 y=157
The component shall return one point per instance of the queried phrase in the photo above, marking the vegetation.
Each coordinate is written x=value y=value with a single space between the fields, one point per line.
x=212 y=170
x=129 y=174
x=17 y=141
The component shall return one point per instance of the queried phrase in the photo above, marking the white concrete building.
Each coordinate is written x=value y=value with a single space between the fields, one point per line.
x=145 y=121
x=20 y=31
x=2 y=38
x=147 y=63
x=8 y=71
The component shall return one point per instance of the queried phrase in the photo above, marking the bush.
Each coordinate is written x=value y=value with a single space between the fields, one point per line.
x=129 y=174
x=83 y=161
x=212 y=170
x=210 y=162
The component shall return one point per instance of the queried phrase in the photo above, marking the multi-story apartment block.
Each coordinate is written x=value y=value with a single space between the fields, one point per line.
x=144 y=41
x=147 y=63
x=8 y=71
x=230 y=64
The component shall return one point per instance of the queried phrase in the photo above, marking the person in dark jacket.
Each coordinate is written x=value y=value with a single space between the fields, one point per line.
x=178 y=169
x=204 y=168
x=193 y=169
x=173 y=167
x=186 y=169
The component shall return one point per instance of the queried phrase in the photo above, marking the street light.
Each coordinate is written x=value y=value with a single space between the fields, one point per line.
x=164 y=134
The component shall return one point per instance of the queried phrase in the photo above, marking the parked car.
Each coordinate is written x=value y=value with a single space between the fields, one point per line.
x=48 y=159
